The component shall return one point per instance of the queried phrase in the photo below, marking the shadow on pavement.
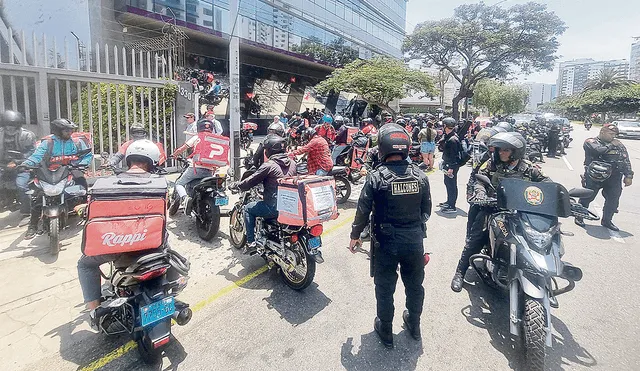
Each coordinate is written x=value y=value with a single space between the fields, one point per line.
x=184 y=229
x=602 y=233
x=296 y=307
x=489 y=309
x=459 y=212
x=372 y=355
x=349 y=204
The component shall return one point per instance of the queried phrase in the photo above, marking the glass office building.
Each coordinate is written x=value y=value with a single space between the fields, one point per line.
x=330 y=32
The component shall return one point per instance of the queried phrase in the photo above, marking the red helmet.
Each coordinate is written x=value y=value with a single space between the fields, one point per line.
x=209 y=77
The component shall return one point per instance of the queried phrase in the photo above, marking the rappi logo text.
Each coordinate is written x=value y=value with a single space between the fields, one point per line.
x=112 y=239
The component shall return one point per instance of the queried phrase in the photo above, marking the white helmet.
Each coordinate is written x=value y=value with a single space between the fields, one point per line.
x=143 y=150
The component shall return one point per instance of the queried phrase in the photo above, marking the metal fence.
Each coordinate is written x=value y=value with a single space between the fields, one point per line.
x=102 y=88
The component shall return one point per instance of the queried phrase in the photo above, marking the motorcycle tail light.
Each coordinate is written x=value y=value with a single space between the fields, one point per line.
x=294 y=238
x=316 y=230
x=151 y=274
x=161 y=342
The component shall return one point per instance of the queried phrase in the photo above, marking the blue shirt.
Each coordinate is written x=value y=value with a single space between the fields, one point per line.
x=62 y=152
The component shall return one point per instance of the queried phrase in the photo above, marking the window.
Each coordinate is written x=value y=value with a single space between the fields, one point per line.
x=207 y=11
x=331 y=6
x=192 y=19
x=340 y=9
x=191 y=8
x=207 y=23
x=348 y=14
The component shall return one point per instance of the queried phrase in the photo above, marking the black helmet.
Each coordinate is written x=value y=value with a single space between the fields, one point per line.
x=138 y=131
x=12 y=118
x=205 y=125
x=513 y=141
x=449 y=122
x=486 y=134
x=309 y=133
x=59 y=125
x=505 y=125
x=393 y=140
x=599 y=171
x=401 y=122
x=275 y=128
x=273 y=144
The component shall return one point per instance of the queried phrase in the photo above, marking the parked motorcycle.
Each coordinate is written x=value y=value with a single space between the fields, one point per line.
x=523 y=257
x=534 y=150
x=566 y=136
x=214 y=99
x=295 y=250
x=246 y=134
x=207 y=195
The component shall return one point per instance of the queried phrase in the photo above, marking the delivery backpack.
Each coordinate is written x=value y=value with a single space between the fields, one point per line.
x=211 y=151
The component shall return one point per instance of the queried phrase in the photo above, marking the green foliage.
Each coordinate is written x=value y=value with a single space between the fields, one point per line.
x=618 y=100
x=607 y=78
x=486 y=41
x=379 y=81
x=118 y=134
x=500 y=98
x=335 y=54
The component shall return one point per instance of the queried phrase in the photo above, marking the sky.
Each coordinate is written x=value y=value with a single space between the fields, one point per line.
x=598 y=29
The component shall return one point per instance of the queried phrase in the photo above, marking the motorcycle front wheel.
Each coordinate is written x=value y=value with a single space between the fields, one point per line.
x=237 y=233
x=54 y=236
x=343 y=189
x=301 y=275
x=208 y=219
x=534 y=323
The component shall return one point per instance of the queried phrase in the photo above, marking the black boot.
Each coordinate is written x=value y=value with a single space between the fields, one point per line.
x=31 y=232
x=457 y=281
x=384 y=331
x=413 y=325
x=607 y=223
x=579 y=221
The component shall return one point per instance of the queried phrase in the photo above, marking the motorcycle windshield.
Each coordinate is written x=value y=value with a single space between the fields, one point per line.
x=544 y=198
x=541 y=223
x=52 y=176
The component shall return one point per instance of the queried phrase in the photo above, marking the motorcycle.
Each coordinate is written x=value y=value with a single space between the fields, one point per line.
x=566 y=136
x=295 y=250
x=588 y=125
x=534 y=150
x=340 y=174
x=523 y=256
x=207 y=195
x=246 y=134
x=214 y=99
x=9 y=194
x=60 y=195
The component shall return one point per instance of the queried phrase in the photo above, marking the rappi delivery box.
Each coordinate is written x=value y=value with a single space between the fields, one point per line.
x=306 y=200
x=125 y=215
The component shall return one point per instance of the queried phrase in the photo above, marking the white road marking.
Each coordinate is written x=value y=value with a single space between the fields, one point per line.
x=614 y=235
x=566 y=162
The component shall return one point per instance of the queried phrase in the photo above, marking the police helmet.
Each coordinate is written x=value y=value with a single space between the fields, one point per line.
x=449 y=122
x=505 y=125
x=513 y=141
x=393 y=140
x=138 y=131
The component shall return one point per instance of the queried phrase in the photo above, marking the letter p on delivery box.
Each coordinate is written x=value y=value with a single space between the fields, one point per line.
x=306 y=200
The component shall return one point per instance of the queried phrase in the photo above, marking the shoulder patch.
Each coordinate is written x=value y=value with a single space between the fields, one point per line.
x=405 y=188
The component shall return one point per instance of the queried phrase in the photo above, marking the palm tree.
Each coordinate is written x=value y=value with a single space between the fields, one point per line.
x=607 y=78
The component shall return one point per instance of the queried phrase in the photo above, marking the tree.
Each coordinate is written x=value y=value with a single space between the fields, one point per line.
x=497 y=97
x=619 y=100
x=488 y=42
x=607 y=78
x=379 y=81
x=336 y=53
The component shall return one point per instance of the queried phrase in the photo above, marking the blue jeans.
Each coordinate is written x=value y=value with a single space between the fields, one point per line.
x=253 y=210
x=89 y=275
x=190 y=174
x=22 y=183
x=321 y=172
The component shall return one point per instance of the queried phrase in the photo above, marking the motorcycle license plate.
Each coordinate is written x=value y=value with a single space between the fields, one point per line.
x=315 y=242
x=222 y=201
x=157 y=311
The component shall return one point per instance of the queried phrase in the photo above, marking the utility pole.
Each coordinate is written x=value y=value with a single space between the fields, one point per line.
x=234 y=90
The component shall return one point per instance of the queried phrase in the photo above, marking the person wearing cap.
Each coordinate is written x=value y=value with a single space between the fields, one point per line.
x=192 y=128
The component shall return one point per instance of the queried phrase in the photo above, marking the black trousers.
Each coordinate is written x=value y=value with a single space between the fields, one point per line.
x=386 y=276
x=477 y=237
x=452 y=188
x=553 y=145
x=611 y=191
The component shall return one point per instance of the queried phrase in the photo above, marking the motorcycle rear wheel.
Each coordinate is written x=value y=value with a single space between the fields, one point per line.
x=148 y=354
x=343 y=189
x=54 y=236
x=208 y=219
x=304 y=271
x=534 y=322
x=237 y=233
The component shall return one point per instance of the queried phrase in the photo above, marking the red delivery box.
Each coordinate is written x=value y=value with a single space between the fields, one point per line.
x=350 y=131
x=125 y=215
x=306 y=200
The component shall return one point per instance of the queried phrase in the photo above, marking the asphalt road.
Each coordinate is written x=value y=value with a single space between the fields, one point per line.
x=259 y=323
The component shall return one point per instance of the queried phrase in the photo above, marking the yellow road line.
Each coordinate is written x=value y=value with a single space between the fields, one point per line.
x=124 y=349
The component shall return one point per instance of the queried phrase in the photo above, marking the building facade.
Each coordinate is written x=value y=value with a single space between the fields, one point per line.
x=539 y=94
x=634 y=62
x=574 y=75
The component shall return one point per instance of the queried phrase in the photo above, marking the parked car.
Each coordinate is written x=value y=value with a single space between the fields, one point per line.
x=628 y=128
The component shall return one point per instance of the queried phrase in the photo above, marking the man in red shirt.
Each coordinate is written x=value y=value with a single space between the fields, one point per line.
x=318 y=156
x=326 y=130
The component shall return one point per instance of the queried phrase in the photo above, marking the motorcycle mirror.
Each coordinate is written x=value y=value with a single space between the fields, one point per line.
x=83 y=152
x=230 y=172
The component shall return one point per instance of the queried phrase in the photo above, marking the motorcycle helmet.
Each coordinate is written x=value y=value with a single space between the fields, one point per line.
x=421 y=116
x=599 y=171
x=275 y=128
x=338 y=121
x=401 y=122
x=309 y=133
x=138 y=131
x=60 y=125
x=505 y=125
x=12 y=118
x=485 y=135
x=209 y=78
x=205 y=125
x=513 y=141
x=143 y=150
x=327 y=119
x=273 y=144
x=393 y=139
x=449 y=122
x=367 y=121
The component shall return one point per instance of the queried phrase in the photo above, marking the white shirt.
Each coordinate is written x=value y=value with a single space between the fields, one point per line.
x=191 y=131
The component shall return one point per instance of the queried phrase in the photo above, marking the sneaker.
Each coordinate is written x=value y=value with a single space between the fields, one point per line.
x=93 y=321
x=250 y=248
x=449 y=210
x=443 y=204
x=31 y=232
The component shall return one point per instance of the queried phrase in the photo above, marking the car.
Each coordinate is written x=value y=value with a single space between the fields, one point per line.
x=628 y=128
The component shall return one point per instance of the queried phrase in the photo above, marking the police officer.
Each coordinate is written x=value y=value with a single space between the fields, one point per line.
x=606 y=162
x=450 y=147
x=398 y=197
x=507 y=162
x=553 y=132
x=13 y=137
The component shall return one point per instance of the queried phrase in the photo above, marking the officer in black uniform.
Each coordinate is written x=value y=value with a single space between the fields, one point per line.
x=398 y=197
x=606 y=162
x=554 y=131
x=450 y=146
x=507 y=162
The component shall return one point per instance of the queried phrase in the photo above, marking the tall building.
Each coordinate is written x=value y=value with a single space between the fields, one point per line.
x=539 y=94
x=573 y=75
x=634 y=61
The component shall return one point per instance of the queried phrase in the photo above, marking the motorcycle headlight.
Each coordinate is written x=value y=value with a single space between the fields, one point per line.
x=53 y=189
x=539 y=241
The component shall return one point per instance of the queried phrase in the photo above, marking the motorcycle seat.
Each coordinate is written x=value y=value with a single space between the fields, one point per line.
x=337 y=170
x=132 y=261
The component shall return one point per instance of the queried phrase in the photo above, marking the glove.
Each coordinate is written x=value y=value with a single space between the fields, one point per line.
x=627 y=181
x=233 y=185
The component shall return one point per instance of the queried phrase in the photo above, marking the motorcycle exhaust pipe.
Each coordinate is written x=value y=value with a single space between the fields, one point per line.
x=182 y=316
